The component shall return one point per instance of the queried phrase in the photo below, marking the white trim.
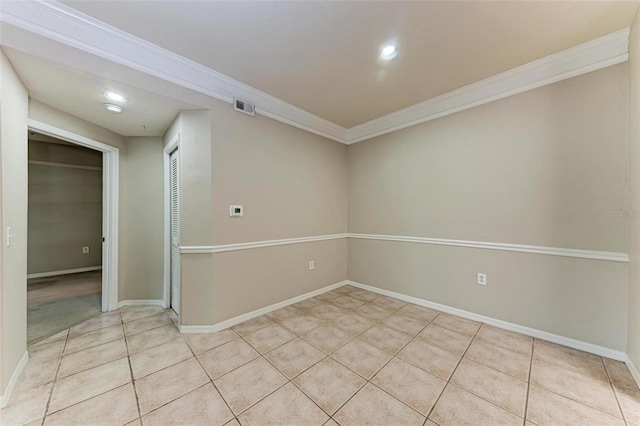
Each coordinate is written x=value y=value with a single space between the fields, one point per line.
x=69 y=166
x=539 y=334
x=632 y=369
x=250 y=315
x=593 y=55
x=173 y=144
x=4 y=399
x=551 y=251
x=68 y=26
x=64 y=272
x=110 y=205
x=256 y=244
x=140 y=302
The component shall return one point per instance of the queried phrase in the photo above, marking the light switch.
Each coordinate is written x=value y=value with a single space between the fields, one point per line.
x=9 y=236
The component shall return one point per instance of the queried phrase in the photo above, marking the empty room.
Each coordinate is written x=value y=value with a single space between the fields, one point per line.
x=320 y=213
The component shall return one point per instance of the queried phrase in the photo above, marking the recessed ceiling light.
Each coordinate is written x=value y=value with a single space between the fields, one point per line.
x=115 y=97
x=389 y=52
x=114 y=108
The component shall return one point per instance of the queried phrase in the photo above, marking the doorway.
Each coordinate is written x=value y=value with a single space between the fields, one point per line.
x=107 y=243
x=64 y=257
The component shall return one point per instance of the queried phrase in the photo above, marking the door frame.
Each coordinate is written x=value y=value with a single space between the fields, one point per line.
x=110 y=205
x=173 y=144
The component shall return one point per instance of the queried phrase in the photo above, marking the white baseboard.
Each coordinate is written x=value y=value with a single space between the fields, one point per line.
x=633 y=369
x=64 y=272
x=561 y=340
x=138 y=302
x=250 y=315
x=6 y=397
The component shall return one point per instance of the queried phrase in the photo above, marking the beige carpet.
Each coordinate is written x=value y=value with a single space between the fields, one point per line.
x=57 y=303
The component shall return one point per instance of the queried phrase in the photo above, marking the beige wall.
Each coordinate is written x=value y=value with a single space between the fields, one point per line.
x=291 y=184
x=13 y=284
x=538 y=168
x=144 y=219
x=65 y=208
x=633 y=335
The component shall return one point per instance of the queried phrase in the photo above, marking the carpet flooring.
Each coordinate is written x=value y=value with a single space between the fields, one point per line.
x=57 y=303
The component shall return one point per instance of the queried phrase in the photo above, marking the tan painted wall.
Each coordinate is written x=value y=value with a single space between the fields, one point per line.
x=633 y=334
x=144 y=219
x=65 y=208
x=13 y=284
x=538 y=168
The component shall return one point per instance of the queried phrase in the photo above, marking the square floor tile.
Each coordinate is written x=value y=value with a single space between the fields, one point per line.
x=248 y=384
x=37 y=372
x=280 y=314
x=506 y=339
x=326 y=312
x=152 y=338
x=577 y=386
x=224 y=358
x=92 y=357
x=547 y=408
x=147 y=323
x=512 y=363
x=26 y=406
x=202 y=342
x=430 y=358
x=82 y=386
x=347 y=302
x=499 y=388
x=446 y=339
x=570 y=358
x=404 y=323
x=457 y=324
x=294 y=357
x=100 y=410
x=373 y=312
x=409 y=384
x=327 y=338
x=161 y=387
x=364 y=295
x=459 y=407
x=385 y=338
x=300 y=324
x=107 y=319
x=361 y=357
x=328 y=296
x=203 y=406
x=78 y=342
x=419 y=313
x=269 y=337
x=252 y=325
x=352 y=323
x=373 y=406
x=286 y=406
x=388 y=302
x=46 y=351
x=630 y=403
x=130 y=313
x=329 y=383
x=307 y=305
x=155 y=359
x=620 y=375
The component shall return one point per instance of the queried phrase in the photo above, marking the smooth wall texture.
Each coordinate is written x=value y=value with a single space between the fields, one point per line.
x=144 y=219
x=633 y=334
x=546 y=167
x=14 y=101
x=65 y=208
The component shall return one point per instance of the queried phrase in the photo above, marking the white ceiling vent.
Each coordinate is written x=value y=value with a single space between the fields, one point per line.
x=243 y=106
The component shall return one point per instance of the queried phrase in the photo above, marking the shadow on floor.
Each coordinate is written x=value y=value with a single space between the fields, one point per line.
x=57 y=303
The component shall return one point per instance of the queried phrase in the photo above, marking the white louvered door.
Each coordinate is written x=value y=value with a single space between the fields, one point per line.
x=175 y=232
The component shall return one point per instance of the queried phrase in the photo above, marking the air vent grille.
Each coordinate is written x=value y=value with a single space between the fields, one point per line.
x=243 y=106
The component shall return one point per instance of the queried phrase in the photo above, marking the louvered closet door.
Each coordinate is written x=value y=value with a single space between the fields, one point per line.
x=175 y=232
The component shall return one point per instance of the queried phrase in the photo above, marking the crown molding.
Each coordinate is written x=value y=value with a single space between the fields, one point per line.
x=593 y=55
x=65 y=25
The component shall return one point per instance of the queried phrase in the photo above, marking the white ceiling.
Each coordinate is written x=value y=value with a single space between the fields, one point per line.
x=323 y=56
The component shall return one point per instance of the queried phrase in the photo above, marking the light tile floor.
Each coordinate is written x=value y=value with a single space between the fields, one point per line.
x=346 y=357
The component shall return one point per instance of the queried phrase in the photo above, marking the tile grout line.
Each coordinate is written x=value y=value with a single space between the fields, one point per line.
x=133 y=382
x=55 y=377
x=526 y=401
x=615 y=394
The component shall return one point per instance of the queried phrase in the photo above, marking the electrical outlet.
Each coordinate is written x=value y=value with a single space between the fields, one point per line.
x=312 y=265
x=482 y=278
x=85 y=249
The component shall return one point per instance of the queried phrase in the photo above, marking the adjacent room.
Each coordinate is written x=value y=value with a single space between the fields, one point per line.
x=320 y=213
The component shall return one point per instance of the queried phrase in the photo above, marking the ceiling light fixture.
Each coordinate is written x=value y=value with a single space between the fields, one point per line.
x=389 y=52
x=115 y=97
x=114 y=108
